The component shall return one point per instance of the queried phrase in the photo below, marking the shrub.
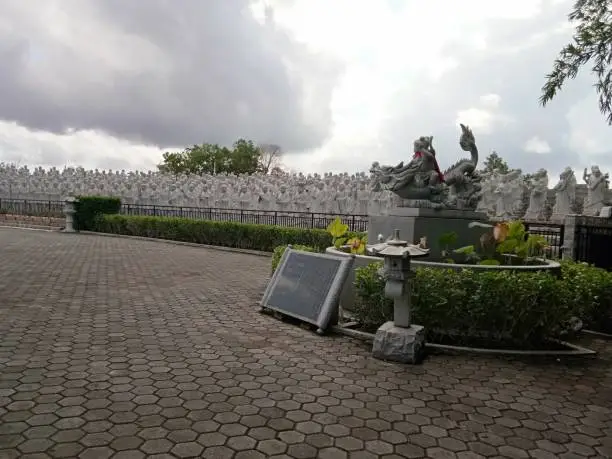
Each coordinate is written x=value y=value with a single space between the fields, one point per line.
x=89 y=208
x=589 y=289
x=278 y=253
x=496 y=307
x=372 y=308
x=229 y=234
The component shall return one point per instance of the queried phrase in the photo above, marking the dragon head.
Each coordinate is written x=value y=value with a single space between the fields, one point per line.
x=467 y=140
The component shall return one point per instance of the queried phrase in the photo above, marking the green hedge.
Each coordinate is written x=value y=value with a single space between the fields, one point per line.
x=89 y=208
x=228 y=234
x=495 y=307
x=508 y=308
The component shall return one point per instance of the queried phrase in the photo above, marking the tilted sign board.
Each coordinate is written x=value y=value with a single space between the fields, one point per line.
x=307 y=286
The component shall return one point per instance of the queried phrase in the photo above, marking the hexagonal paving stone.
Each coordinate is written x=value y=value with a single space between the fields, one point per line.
x=65 y=450
x=97 y=439
x=187 y=449
x=36 y=445
x=241 y=443
x=272 y=447
x=99 y=452
x=156 y=446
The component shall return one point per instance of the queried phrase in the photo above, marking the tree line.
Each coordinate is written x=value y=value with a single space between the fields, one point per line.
x=243 y=157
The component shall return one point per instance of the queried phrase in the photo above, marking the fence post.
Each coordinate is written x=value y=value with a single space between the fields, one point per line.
x=568 y=247
x=154 y=211
x=275 y=218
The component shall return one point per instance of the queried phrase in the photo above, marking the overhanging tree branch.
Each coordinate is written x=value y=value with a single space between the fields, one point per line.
x=592 y=42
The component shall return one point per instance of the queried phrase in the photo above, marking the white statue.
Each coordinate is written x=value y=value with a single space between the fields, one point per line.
x=538 y=186
x=509 y=194
x=597 y=185
x=565 y=195
x=488 y=200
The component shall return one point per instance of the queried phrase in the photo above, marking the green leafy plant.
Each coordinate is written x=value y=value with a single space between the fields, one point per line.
x=519 y=243
x=469 y=253
x=504 y=243
x=341 y=236
x=446 y=241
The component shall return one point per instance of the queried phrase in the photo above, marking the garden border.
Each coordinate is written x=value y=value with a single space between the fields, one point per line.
x=49 y=229
x=574 y=349
x=597 y=334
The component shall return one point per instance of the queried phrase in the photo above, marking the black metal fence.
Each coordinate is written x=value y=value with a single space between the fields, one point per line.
x=552 y=232
x=259 y=217
x=32 y=207
x=593 y=245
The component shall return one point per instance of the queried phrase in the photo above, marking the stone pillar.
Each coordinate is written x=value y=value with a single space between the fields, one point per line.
x=399 y=340
x=69 y=211
x=568 y=249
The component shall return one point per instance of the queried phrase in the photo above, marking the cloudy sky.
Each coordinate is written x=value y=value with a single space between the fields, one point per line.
x=338 y=84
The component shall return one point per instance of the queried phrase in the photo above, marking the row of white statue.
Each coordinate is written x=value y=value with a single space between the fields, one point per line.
x=503 y=195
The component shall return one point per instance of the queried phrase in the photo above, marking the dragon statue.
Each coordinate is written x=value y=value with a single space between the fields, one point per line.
x=421 y=183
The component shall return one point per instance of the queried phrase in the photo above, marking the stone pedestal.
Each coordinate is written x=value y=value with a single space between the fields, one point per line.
x=69 y=212
x=557 y=218
x=399 y=344
x=415 y=223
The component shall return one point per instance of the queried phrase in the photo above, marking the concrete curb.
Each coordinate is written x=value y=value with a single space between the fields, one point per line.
x=49 y=229
x=597 y=334
x=573 y=349
x=188 y=244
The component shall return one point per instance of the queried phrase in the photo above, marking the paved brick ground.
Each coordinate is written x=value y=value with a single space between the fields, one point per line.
x=127 y=349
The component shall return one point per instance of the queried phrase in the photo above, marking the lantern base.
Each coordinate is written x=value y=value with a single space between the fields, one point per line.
x=399 y=344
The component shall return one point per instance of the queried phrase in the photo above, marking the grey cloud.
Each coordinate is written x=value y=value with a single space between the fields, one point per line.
x=516 y=77
x=181 y=72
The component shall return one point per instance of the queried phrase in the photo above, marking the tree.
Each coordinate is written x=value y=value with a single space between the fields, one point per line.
x=494 y=162
x=198 y=159
x=242 y=158
x=592 y=42
x=269 y=157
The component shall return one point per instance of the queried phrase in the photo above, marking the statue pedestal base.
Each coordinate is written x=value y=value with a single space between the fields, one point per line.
x=398 y=344
x=415 y=223
x=557 y=218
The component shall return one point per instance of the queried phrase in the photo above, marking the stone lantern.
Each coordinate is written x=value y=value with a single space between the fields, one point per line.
x=69 y=211
x=399 y=340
